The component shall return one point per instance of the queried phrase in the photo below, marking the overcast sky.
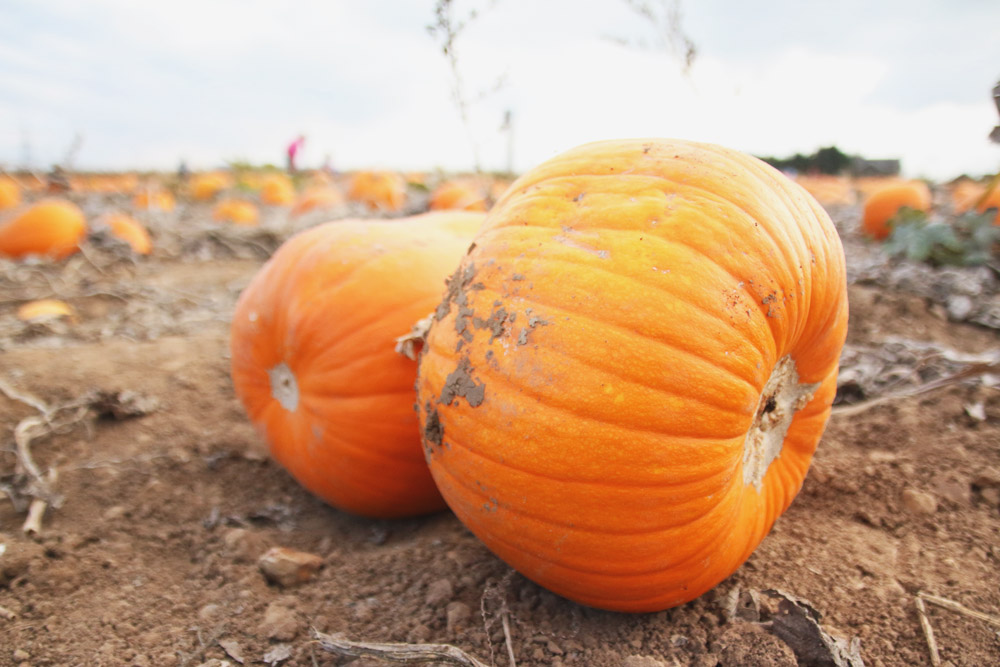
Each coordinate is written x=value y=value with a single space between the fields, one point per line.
x=147 y=84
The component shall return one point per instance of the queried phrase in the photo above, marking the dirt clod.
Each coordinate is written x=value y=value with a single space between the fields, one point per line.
x=288 y=567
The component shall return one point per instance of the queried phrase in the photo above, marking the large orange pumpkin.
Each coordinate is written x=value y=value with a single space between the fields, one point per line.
x=313 y=358
x=52 y=227
x=626 y=381
x=885 y=202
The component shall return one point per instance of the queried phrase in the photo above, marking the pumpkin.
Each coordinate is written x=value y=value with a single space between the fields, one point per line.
x=884 y=203
x=314 y=364
x=457 y=195
x=51 y=227
x=378 y=190
x=317 y=197
x=237 y=211
x=10 y=193
x=990 y=200
x=46 y=309
x=129 y=230
x=630 y=371
x=154 y=199
x=204 y=187
x=277 y=190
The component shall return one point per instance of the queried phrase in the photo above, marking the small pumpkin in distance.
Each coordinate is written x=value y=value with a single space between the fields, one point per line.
x=129 y=230
x=41 y=310
x=317 y=198
x=625 y=383
x=314 y=364
x=457 y=194
x=236 y=211
x=378 y=190
x=150 y=199
x=204 y=187
x=277 y=190
x=10 y=193
x=51 y=227
x=885 y=202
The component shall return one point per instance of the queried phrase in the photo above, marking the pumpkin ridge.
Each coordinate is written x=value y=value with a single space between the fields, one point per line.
x=327 y=393
x=581 y=416
x=583 y=360
x=677 y=295
x=719 y=262
x=585 y=530
x=561 y=312
x=729 y=470
x=694 y=555
x=779 y=193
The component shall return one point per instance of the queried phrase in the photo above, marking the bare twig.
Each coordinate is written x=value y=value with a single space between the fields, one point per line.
x=23 y=397
x=33 y=523
x=959 y=608
x=974 y=370
x=505 y=619
x=400 y=653
x=928 y=631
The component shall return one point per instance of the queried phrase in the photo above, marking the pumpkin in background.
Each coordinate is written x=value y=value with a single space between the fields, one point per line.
x=314 y=364
x=236 y=211
x=149 y=199
x=10 y=193
x=129 y=230
x=989 y=200
x=317 y=198
x=204 y=187
x=378 y=190
x=277 y=190
x=884 y=203
x=626 y=381
x=51 y=227
x=46 y=309
x=457 y=194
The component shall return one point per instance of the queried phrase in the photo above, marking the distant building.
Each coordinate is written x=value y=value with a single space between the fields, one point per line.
x=864 y=167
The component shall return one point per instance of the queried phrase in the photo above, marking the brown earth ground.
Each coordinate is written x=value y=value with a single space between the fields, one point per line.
x=150 y=557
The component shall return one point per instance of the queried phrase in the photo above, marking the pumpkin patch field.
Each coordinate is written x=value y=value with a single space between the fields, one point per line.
x=713 y=422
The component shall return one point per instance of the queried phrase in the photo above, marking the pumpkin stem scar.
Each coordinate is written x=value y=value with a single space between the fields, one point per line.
x=284 y=387
x=780 y=399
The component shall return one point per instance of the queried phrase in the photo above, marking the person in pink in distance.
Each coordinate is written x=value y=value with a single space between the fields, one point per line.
x=293 y=150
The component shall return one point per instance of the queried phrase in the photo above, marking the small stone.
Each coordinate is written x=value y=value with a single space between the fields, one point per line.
x=919 y=502
x=641 y=661
x=986 y=479
x=21 y=655
x=954 y=489
x=287 y=567
x=210 y=613
x=439 y=592
x=114 y=513
x=960 y=307
x=243 y=546
x=280 y=622
x=457 y=614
